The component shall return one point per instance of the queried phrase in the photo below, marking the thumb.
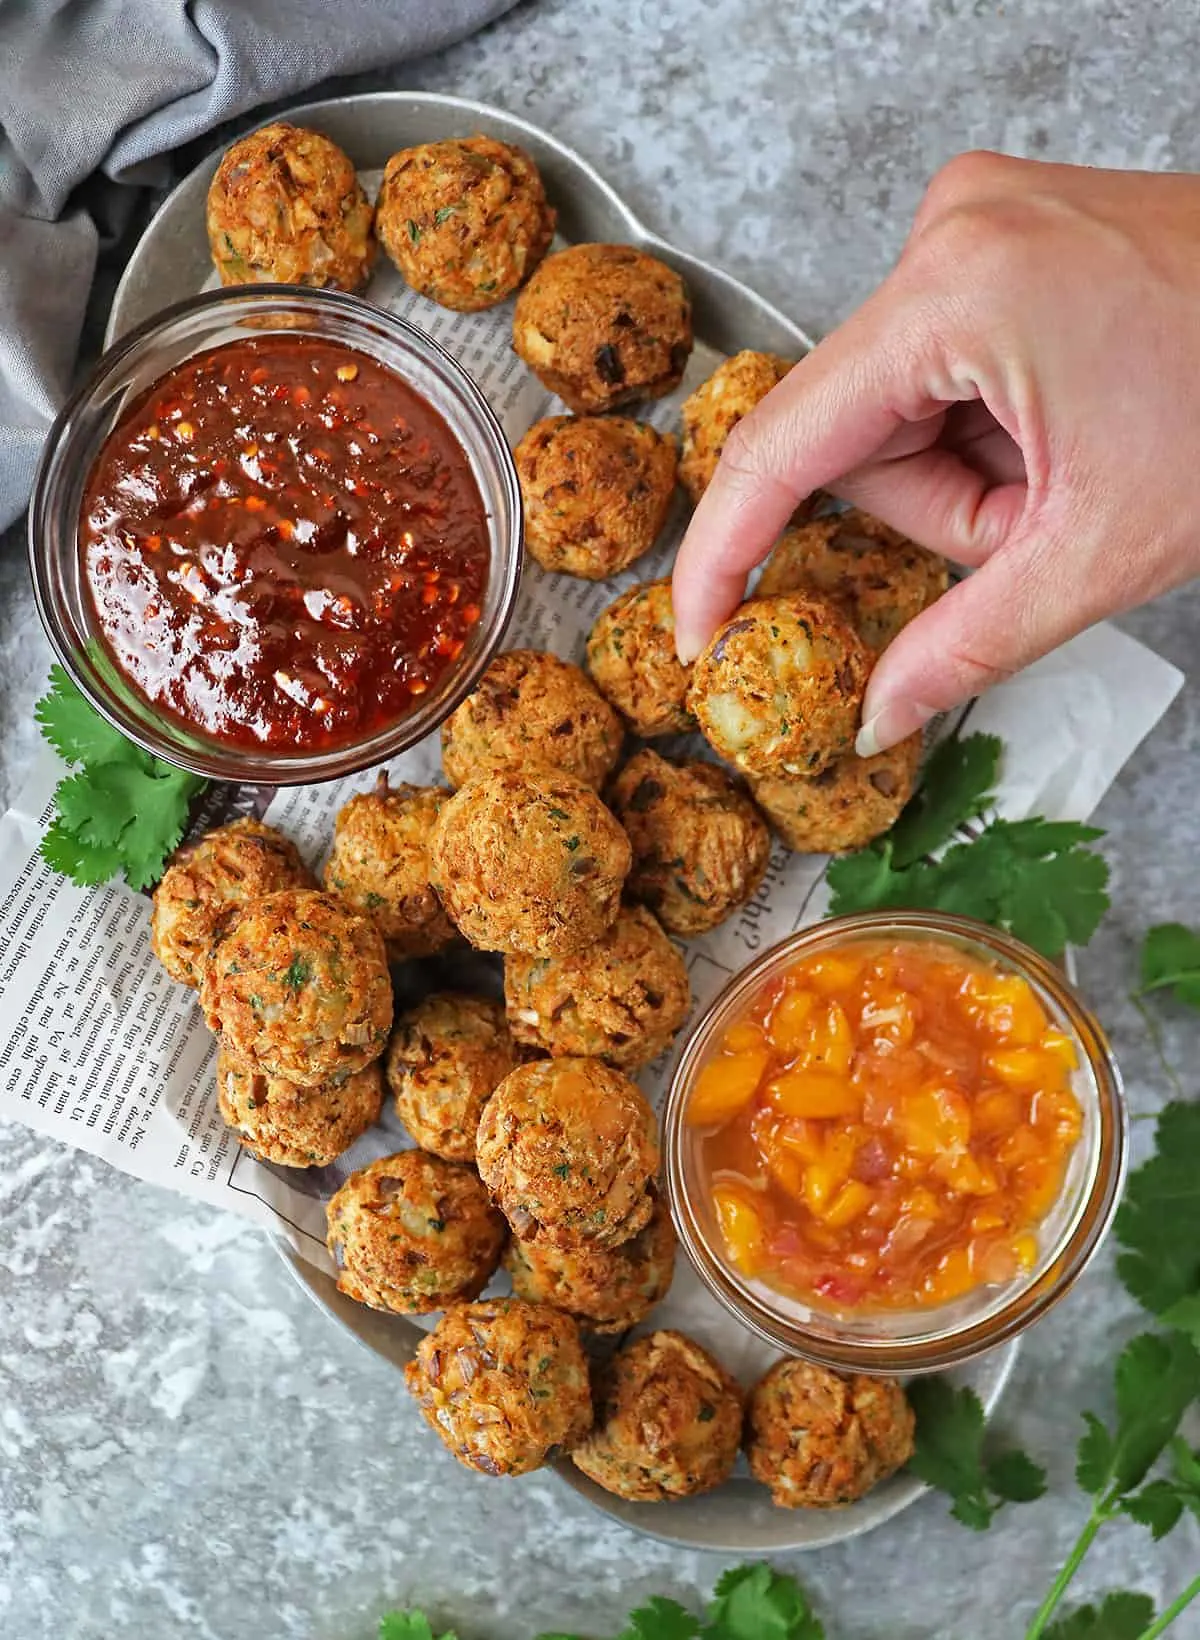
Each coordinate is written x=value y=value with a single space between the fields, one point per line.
x=1009 y=613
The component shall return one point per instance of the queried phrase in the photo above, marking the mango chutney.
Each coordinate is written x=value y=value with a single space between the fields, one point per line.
x=886 y=1125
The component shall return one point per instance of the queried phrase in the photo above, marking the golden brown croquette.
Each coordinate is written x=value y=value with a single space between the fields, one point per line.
x=779 y=688
x=603 y=325
x=286 y=207
x=465 y=219
x=504 y=1384
x=879 y=577
x=529 y=862
x=819 y=1440
x=712 y=412
x=298 y=988
x=532 y=708
x=447 y=1057
x=412 y=1233
x=597 y=490
x=278 y=1121
x=668 y=1423
x=207 y=881
x=631 y=656
x=700 y=847
x=380 y=866
x=846 y=806
x=622 y=998
x=604 y=1289
x=568 y=1149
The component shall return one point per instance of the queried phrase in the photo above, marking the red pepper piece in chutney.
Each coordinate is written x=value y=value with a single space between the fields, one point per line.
x=285 y=544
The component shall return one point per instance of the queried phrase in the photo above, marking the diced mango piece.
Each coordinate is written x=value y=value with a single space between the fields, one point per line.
x=1010 y=1009
x=851 y=1201
x=966 y=1175
x=742 y=1036
x=951 y=1277
x=741 y=1229
x=726 y=1086
x=1024 y=1067
x=889 y=1015
x=1060 y=1045
x=1025 y=1250
x=831 y=1041
x=833 y=973
x=787 y=1170
x=1038 y=1184
x=998 y=1111
x=934 y=1120
x=801 y=1138
x=814 y=1094
x=987 y=1218
x=1058 y=1112
x=789 y=1020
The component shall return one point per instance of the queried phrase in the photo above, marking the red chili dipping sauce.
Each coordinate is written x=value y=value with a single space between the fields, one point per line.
x=284 y=543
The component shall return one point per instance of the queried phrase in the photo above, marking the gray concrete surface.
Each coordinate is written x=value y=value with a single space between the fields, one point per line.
x=187 y=1447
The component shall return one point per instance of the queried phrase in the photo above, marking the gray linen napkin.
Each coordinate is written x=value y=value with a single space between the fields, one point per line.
x=109 y=87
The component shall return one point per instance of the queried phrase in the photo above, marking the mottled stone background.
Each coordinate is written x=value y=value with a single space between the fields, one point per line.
x=187 y=1448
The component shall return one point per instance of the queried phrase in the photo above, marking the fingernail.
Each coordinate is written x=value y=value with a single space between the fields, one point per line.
x=687 y=647
x=890 y=726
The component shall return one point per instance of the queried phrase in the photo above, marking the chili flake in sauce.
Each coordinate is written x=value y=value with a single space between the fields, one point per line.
x=285 y=544
x=887 y=1126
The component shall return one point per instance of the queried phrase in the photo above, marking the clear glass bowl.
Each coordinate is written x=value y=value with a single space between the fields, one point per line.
x=933 y=1338
x=125 y=372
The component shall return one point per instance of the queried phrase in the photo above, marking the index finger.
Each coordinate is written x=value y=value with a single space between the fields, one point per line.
x=831 y=413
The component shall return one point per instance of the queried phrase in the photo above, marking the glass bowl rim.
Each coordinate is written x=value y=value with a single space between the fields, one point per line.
x=246 y=764
x=1029 y=1299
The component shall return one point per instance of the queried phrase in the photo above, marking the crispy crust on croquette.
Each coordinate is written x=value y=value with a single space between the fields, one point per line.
x=631 y=657
x=604 y=325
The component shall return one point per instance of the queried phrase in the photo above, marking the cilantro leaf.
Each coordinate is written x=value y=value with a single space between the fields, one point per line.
x=1035 y=878
x=956 y=785
x=84 y=863
x=1157 y=1379
x=1121 y=1616
x=755 y=1603
x=123 y=810
x=1171 y=961
x=949 y=1455
x=661 y=1619
x=410 y=1626
x=1158 y=1223
x=1157 y=1506
x=77 y=733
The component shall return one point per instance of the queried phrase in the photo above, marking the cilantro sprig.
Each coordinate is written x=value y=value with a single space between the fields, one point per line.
x=1036 y=878
x=749 y=1603
x=124 y=811
x=949 y=1455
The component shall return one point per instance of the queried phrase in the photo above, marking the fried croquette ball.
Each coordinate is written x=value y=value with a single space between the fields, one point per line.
x=700 y=847
x=380 y=866
x=818 y=1440
x=779 y=689
x=603 y=325
x=207 y=881
x=465 y=220
x=604 y=1289
x=529 y=862
x=879 y=577
x=597 y=490
x=568 y=1149
x=531 y=707
x=712 y=412
x=286 y=207
x=631 y=656
x=298 y=988
x=845 y=807
x=448 y=1055
x=622 y=998
x=668 y=1423
x=412 y=1233
x=277 y=1121
x=504 y=1383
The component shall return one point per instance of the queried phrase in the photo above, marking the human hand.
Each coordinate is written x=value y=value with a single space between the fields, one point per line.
x=1021 y=394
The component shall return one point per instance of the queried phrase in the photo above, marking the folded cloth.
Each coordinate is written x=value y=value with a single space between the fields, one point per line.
x=111 y=86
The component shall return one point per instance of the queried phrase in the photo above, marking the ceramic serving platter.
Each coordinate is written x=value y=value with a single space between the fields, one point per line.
x=172 y=262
